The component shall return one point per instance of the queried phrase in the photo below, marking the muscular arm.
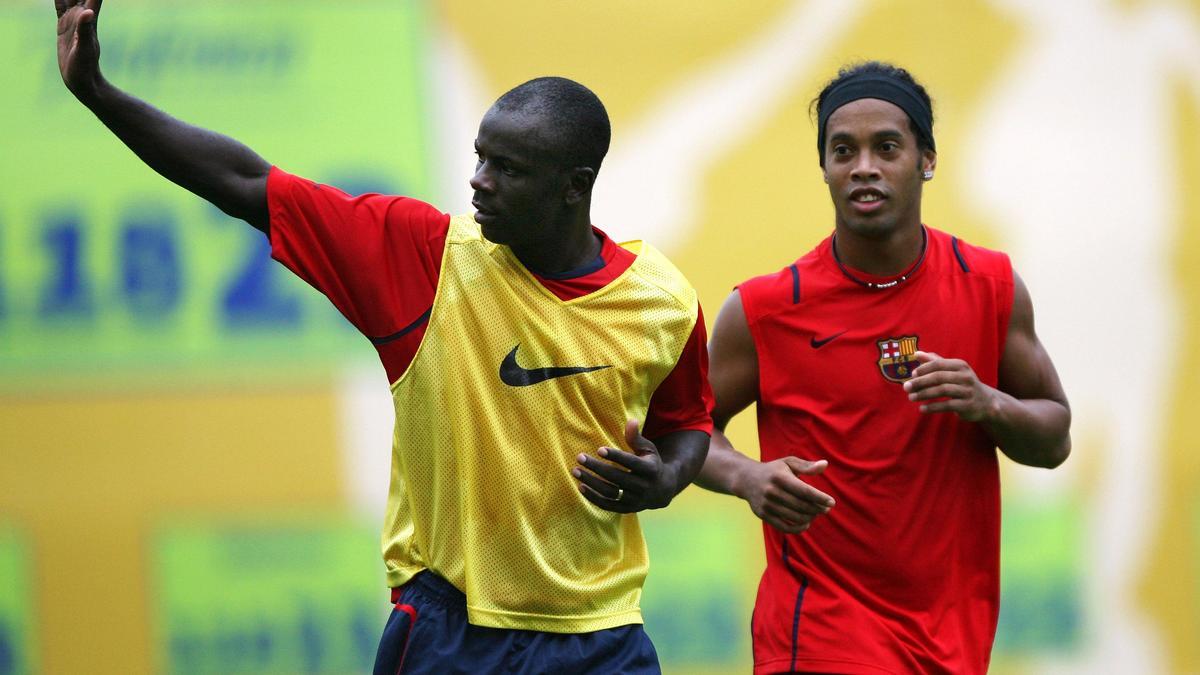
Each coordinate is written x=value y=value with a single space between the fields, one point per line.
x=733 y=373
x=1027 y=415
x=1031 y=418
x=212 y=166
x=774 y=490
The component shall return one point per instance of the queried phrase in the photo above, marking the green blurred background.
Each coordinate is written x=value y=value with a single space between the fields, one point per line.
x=194 y=446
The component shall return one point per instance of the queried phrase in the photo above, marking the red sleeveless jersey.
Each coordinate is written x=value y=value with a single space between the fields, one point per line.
x=902 y=576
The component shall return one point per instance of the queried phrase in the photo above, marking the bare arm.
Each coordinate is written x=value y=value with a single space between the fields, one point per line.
x=733 y=374
x=773 y=490
x=214 y=167
x=1027 y=415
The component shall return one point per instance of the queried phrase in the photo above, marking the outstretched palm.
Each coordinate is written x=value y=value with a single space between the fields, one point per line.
x=78 y=47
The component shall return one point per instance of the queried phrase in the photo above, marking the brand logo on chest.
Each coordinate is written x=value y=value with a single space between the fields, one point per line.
x=897 y=357
x=514 y=375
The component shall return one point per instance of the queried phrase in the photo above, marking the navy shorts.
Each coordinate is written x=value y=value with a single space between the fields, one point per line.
x=428 y=632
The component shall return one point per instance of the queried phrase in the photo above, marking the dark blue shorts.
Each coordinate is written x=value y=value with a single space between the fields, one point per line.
x=428 y=632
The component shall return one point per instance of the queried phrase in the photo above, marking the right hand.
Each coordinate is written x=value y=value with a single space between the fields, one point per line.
x=778 y=496
x=78 y=46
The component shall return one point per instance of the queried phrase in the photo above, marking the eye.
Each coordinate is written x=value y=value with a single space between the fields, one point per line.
x=841 y=150
x=889 y=146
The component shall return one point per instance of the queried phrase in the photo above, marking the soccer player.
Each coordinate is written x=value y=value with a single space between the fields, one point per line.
x=887 y=364
x=523 y=347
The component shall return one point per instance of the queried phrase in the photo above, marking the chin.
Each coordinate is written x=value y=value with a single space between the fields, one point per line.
x=493 y=233
x=871 y=229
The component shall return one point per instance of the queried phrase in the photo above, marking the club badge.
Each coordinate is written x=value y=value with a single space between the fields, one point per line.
x=897 y=358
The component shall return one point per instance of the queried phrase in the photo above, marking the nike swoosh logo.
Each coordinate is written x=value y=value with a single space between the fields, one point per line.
x=512 y=374
x=817 y=344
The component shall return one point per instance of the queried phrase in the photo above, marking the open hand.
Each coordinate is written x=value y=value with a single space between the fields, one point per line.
x=778 y=496
x=629 y=481
x=955 y=383
x=78 y=46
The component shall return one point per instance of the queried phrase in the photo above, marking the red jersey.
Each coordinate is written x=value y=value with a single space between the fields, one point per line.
x=902 y=576
x=378 y=258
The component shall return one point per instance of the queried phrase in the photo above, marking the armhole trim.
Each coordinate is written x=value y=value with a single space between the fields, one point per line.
x=958 y=254
x=420 y=321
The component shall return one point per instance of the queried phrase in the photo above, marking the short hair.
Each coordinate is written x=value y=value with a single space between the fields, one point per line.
x=882 y=69
x=581 y=128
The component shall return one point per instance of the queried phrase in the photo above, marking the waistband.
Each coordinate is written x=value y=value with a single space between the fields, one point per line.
x=433 y=588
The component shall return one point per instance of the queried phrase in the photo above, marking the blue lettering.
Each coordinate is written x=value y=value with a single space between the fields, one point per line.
x=150 y=278
x=252 y=299
x=8 y=653
x=65 y=292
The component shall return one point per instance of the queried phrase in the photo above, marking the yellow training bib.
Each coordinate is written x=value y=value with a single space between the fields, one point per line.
x=510 y=383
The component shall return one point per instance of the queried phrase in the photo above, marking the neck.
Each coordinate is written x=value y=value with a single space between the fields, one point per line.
x=573 y=245
x=882 y=255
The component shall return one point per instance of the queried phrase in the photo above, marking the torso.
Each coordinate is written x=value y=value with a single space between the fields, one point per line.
x=915 y=532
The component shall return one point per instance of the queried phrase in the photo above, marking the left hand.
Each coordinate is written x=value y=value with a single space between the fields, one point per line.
x=629 y=481
x=78 y=46
x=955 y=383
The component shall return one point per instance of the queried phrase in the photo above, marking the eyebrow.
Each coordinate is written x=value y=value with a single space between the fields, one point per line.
x=515 y=161
x=877 y=136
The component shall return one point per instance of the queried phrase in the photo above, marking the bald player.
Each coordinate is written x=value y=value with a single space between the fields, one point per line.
x=524 y=349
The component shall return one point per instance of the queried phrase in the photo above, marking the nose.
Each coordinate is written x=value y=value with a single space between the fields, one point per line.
x=482 y=180
x=865 y=168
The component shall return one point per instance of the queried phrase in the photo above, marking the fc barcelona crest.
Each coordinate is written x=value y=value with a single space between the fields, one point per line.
x=897 y=358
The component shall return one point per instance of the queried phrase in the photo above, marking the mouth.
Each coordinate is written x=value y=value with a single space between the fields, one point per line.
x=866 y=200
x=482 y=211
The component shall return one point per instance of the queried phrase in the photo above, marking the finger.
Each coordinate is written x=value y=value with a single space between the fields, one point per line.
x=803 y=466
x=952 y=405
x=808 y=493
x=610 y=473
x=601 y=485
x=785 y=526
x=634 y=439
x=930 y=361
x=778 y=500
x=948 y=390
x=604 y=502
x=796 y=511
x=926 y=357
x=94 y=6
x=85 y=30
x=639 y=464
x=936 y=374
x=941 y=364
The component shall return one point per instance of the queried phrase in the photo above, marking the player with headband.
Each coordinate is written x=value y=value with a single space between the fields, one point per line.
x=887 y=364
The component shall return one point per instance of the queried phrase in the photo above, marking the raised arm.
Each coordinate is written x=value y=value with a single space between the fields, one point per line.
x=214 y=167
x=1027 y=415
x=774 y=489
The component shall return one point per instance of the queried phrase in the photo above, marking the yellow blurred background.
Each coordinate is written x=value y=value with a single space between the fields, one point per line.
x=194 y=447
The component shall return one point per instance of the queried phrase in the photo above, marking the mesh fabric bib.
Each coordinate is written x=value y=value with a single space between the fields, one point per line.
x=481 y=490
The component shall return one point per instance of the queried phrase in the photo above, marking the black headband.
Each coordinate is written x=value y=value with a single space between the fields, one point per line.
x=897 y=92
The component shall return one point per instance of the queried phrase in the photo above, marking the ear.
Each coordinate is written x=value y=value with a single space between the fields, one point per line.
x=928 y=160
x=579 y=184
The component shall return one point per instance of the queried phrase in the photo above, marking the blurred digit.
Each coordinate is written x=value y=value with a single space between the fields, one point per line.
x=252 y=298
x=150 y=274
x=65 y=293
